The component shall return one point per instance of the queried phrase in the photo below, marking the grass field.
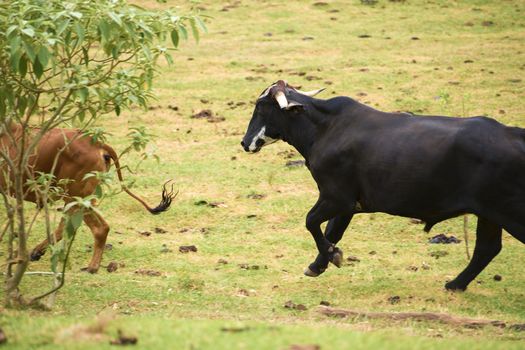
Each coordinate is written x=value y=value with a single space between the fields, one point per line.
x=431 y=57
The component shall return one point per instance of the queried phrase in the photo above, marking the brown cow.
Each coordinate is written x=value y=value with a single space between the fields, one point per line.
x=77 y=155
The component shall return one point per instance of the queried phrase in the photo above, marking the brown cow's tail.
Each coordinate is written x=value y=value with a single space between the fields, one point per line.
x=167 y=196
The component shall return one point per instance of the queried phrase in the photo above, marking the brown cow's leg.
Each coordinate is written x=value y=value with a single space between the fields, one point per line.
x=40 y=249
x=100 y=228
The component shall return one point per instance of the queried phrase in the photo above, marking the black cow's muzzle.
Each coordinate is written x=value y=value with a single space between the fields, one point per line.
x=258 y=145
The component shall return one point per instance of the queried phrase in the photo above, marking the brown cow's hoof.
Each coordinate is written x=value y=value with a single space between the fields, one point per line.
x=89 y=269
x=36 y=255
x=455 y=287
x=336 y=256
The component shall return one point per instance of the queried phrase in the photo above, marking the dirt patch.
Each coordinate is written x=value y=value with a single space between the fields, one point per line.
x=295 y=163
x=439 y=254
x=211 y=204
x=444 y=239
x=304 y=347
x=395 y=299
x=3 y=337
x=252 y=267
x=188 y=249
x=147 y=272
x=124 y=339
x=208 y=115
x=112 y=266
x=256 y=196
x=159 y=230
x=235 y=329
x=414 y=316
x=291 y=305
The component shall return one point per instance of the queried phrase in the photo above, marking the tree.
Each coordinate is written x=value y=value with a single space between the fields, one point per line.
x=68 y=63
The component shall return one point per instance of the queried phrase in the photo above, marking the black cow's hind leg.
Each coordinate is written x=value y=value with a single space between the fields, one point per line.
x=322 y=211
x=488 y=245
x=333 y=233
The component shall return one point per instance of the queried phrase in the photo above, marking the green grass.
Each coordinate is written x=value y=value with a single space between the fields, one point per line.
x=196 y=296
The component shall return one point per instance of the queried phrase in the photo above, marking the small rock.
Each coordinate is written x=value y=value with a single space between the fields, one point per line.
x=222 y=261
x=372 y=252
x=108 y=246
x=324 y=303
x=497 y=278
x=352 y=258
x=159 y=230
x=145 y=233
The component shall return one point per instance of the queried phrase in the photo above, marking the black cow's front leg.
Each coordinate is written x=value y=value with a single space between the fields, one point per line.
x=322 y=211
x=488 y=245
x=333 y=233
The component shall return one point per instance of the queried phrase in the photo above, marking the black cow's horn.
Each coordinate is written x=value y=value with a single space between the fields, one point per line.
x=310 y=93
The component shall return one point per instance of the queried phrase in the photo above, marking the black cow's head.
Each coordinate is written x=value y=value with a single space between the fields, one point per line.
x=271 y=117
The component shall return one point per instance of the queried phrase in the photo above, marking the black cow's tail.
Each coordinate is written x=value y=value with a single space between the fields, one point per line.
x=167 y=196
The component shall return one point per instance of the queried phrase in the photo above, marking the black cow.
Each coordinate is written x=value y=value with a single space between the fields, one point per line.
x=428 y=167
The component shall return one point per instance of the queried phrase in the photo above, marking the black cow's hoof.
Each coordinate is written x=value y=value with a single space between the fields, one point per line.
x=36 y=255
x=455 y=287
x=313 y=271
x=336 y=256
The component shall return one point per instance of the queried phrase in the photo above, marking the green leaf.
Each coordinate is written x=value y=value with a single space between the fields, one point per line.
x=43 y=56
x=175 y=37
x=2 y=107
x=98 y=191
x=28 y=31
x=103 y=27
x=81 y=33
x=183 y=32
x=76 y=219
x=14 y=60
x=22 y=105
x=22 y=66
x=30 y=51
x=115 y=18
x=14 y=44
x=201 y=24
x=82 y=94
x=37 y=68
x=194 y=29
x=62 y=26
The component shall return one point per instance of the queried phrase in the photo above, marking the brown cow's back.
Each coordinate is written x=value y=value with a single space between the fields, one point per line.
x=77 y=156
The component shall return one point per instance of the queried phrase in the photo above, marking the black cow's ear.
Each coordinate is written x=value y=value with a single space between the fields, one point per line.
x=295 y=107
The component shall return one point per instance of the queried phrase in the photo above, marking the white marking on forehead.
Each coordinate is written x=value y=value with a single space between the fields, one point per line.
x=261 y=136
